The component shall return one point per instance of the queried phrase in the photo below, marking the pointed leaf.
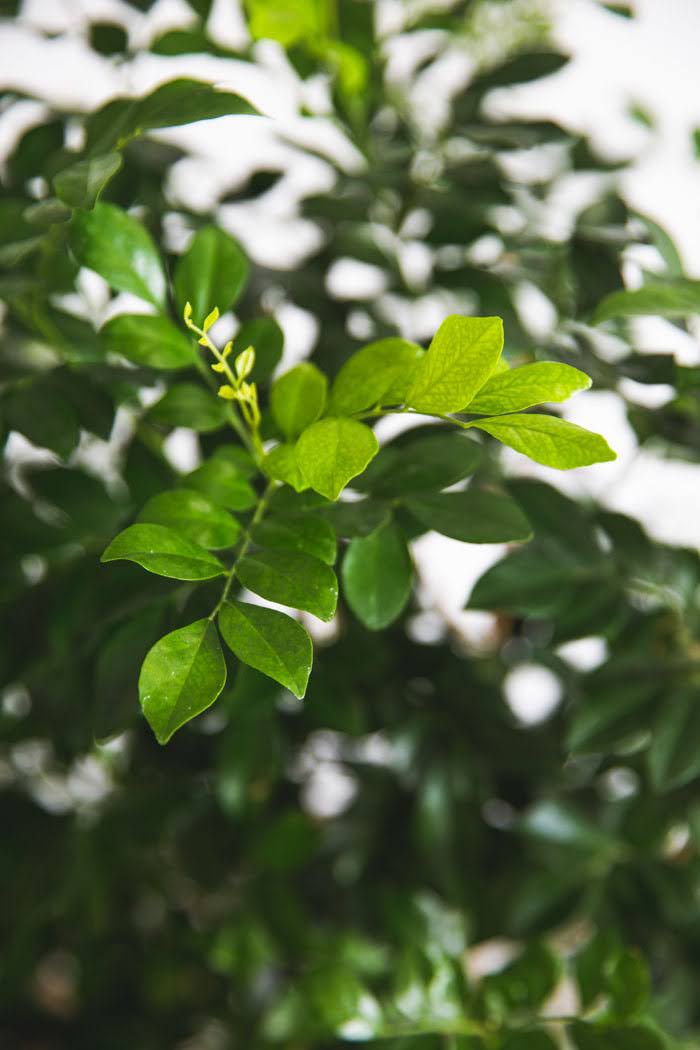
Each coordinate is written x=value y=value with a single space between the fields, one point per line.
x=223 y=482
x=291 y=578
x=80 y=185
x=674 y=754
x=121 y=250
x=432 y=461
x=181 y=676
x=297 y=399
x=377 y=576
x=163 y=551
x=188 y=405
x=463 y=354
x=194 y=516
x=679 y=298
x=379 y=373
x=549 y=440
x=298 y=532
x=521 y=388
x=212 y=272
x=332 y=452
x=270 y=641
x=474 y=516
x=147 y=340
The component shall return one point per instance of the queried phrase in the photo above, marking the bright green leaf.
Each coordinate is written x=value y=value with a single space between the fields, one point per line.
x=163 y=551
x=120 y=249
x=212 y=272
x=377 y=576
x=549 y=440
x=80 y=185
x=281 y=465
x=291 y=578
x=463 y=354
x=530 y=385
x=148 y=340
x=298 y=532
x=270 y=641
x=181 y=676
x=194 y=516
x=474 y=516
x=332 y=452
x=380 y=373
x=297 y=399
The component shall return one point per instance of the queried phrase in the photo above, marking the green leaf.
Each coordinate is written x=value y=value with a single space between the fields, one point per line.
x=212 y=272
x=297 y=399
x=358 y=518
x=298 y=532
x=188 y=405
x=432 y=461
x=586 y=1036
x=525 y=983
x=463 y=354
x=181 y=676
x=474 y=516
x=530 y=385
x=630 y=985
x=181 y=101
x=148 y=340
x=549 y=440
x=120 y=249
x=192 y=515
x=286 y=23
x=281 y=464
x=377 y=576
x=528 y=1040
x=80 y=185
x=223 y=482
x=164 y=552
x=270 y=641
x=332 y=452
x=267 y=339
x=39 y=411
x=679 y=298
x=291 y=578
x=380 y=373
x=528 y=582
x=674 y=754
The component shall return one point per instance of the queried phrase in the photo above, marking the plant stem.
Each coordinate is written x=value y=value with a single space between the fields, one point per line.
x=246 y=540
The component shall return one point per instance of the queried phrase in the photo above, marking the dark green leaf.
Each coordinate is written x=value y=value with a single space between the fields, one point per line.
x=298 y=532
x=212 y=272
x=676 y=299
x=120 y=249
x=80 y=185
x=148 y=340
x=431 y=462
x=163 y=551
x=474 y=516
x=181 y=676
x=267 y=338
x=189 y=405
x=223 y=482
x=270 y=641
x=377 y=576
x=674 y=754
x=630 y=985
x=615 y=1037
x=39 y=411
x=291 y=578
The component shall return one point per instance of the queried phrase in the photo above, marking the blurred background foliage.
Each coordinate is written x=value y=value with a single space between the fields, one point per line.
x=400 y=857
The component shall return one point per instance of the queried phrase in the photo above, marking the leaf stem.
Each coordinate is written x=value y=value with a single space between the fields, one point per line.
x=246 y=540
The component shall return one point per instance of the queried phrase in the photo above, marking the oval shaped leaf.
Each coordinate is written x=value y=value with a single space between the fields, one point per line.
x=678 y=298
x=194 y=516
x=674 y=754
x=530 y=385
x=188 y=405
x=163 y=551
x=298 y=532
x=474 y=516
x=377 y=576
x=81 y=183
x=380 y=373
x=297 y=398
x=433 y=461
x=223 y=482
x=463 y=354
x=291 y=578
x=182 y=676
x=332 y=452
x=549 y=440
x=148 y=340
x=270 y=641
x=120 y=249
x=212 y=272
